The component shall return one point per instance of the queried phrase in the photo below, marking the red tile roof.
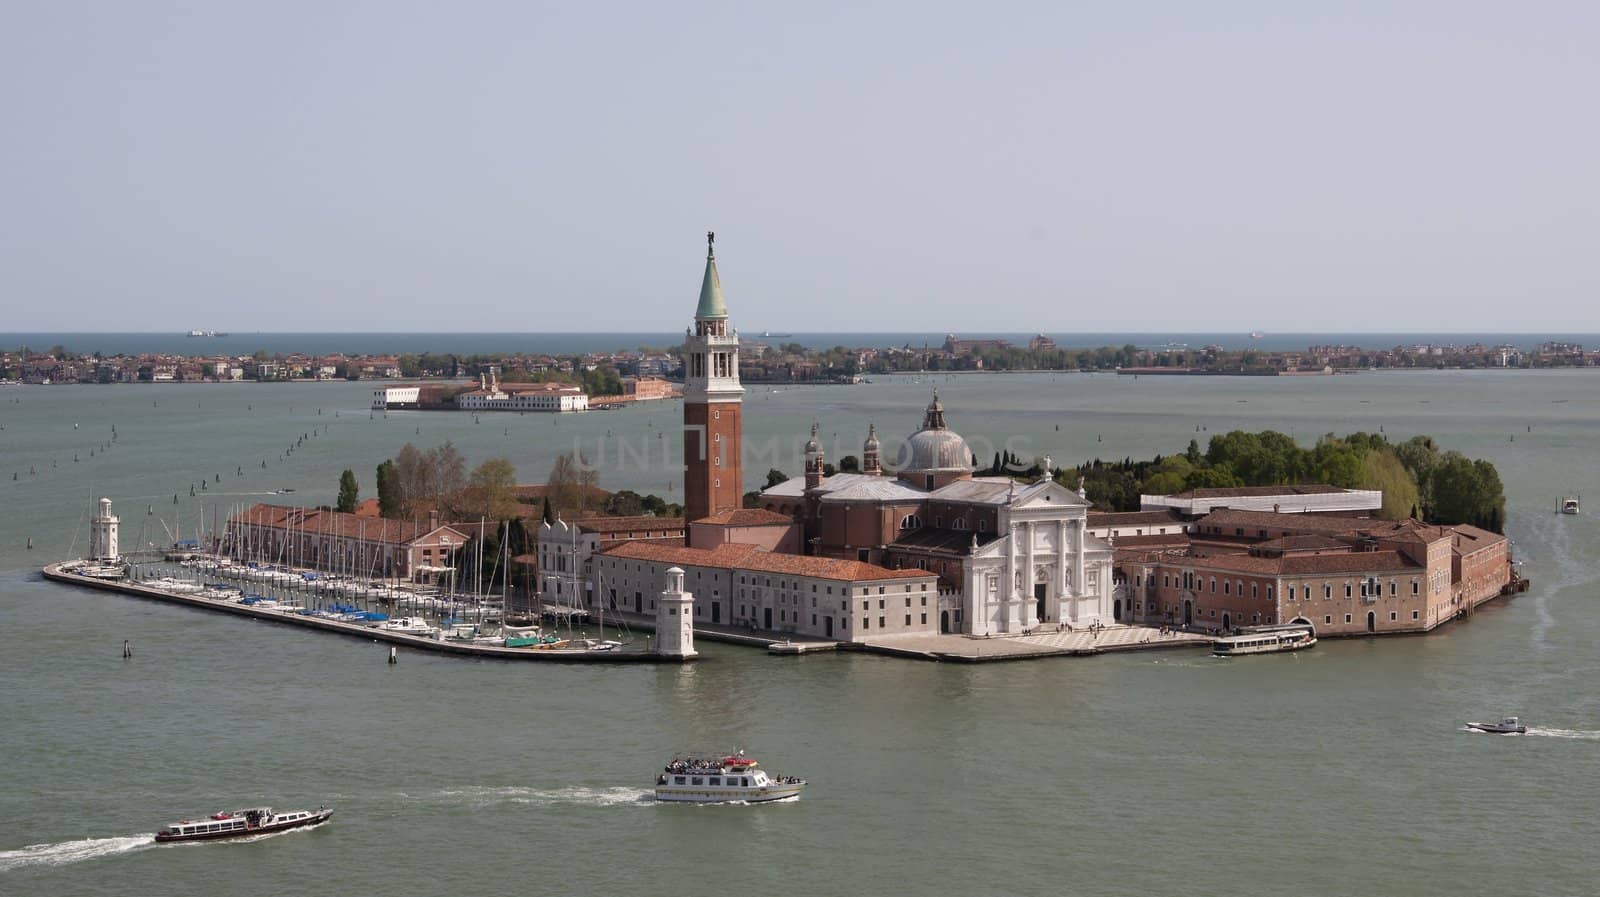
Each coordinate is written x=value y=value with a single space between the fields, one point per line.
x=628 y=524
x=1354 y=562
x=312 y=521
x=740 y=556
x=1133 y=518
x=747 y=517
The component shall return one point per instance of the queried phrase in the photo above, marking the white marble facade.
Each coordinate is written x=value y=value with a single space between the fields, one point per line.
x=1045 y=570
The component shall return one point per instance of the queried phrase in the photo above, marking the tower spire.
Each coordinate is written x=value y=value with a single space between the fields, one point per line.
x=711 y=305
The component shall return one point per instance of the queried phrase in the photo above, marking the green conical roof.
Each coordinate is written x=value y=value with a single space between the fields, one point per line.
x=711 y=304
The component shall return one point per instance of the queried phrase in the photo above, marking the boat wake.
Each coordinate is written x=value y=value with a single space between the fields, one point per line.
x=64 y=852
x=1580 y=734
x=594 y=797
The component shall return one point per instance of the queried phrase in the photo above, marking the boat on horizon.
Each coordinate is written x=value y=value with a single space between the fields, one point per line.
x=241 y=824
x=731 y=778
x=1569 y=505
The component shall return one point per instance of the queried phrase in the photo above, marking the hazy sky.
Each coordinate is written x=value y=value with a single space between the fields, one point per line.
x=1051 y=166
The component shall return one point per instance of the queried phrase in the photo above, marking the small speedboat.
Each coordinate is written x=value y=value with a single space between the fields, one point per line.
x=1508 y=726
x=241 y=823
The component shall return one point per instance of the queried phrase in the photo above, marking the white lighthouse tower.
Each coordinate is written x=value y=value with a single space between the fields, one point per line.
x=103 y=535
x=675 y=618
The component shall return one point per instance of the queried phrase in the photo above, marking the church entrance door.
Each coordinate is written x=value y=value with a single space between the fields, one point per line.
x=1116 y=610
x=1039 y=591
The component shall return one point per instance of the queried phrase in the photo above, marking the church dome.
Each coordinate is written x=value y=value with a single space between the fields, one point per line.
x=934 y=448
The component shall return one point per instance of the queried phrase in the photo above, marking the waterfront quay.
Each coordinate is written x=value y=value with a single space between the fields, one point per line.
x=62 y=572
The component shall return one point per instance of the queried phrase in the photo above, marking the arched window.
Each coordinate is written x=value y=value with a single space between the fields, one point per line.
x=959 y=523
x=910 y=521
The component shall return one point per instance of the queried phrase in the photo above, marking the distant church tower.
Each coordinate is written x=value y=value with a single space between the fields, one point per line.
x=871 y=464
x=675 y=618
x=712 y=404
x=814 y=462
x=103 y=534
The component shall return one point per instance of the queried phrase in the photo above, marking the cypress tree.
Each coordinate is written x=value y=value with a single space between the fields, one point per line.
x=349 y=492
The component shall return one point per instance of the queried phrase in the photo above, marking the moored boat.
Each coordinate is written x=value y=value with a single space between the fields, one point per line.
x=241 y=824
x=733 y=778
x=409 y=626
x=1265 y=640
x=1508 y=726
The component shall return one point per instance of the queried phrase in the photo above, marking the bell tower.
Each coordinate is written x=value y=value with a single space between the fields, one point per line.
x=713 y=480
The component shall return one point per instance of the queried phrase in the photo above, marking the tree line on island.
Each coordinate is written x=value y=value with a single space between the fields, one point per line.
x=1417 y=478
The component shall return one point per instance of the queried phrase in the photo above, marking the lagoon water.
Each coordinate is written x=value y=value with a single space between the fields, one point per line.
x=1342 y=770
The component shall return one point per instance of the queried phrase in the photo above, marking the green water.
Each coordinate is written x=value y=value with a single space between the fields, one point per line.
x=1342 y=770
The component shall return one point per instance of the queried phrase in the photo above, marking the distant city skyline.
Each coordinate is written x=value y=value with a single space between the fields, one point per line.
x=1061 y=168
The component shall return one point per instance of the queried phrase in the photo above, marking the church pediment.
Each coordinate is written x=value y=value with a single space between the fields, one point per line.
x=1043 y=496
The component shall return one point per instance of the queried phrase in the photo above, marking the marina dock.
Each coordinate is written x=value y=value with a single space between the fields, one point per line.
x=57 y=572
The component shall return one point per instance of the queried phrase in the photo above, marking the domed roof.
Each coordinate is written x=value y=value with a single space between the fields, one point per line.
x=934 y=448
x=872 y=443
x=812 y=446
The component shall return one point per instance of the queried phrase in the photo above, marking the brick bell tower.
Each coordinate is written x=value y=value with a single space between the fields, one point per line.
x=713 y=480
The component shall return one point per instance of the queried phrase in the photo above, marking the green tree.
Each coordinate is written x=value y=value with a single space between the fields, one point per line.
x=1210 y=478
x=775 y=476
x=391 y=499
x=490 y=492
x=349 y=492
x=850 y=464
x=1380 y=469
x=625 y=503
x=1341 y=467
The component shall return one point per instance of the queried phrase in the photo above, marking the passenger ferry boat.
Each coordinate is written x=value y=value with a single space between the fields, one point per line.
x=241 y=823
x=719 y=780
x=1265 y=640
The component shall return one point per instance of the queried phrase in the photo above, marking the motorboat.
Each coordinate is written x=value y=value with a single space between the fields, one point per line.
x=722 y=779
x=408 y=625
x=1508 y=726
x=1569 y=505
x=241 y=823
x=1265 y=640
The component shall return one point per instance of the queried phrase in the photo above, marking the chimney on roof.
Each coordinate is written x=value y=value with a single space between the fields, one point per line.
x=433 y=520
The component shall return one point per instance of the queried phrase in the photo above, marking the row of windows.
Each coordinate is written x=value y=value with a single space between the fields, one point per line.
x=867 y=623
x=1370 y=587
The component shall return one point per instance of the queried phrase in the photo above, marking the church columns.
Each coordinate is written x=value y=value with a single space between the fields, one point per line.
x=1078 y=569
x=1028 y=610
x=1058 y=583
